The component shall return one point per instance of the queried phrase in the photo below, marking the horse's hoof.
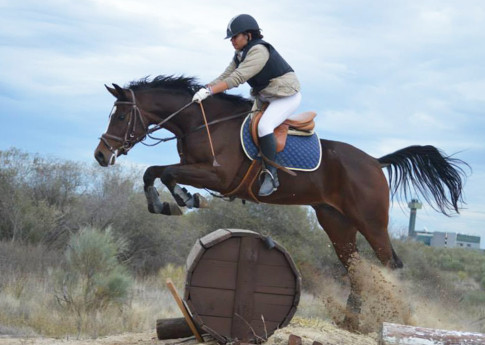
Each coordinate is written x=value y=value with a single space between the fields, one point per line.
x=165 y=208
x=151 y=209
x=159 y=208
x=200 y=201
x=175 y=210
x=182 y=196
x=350 y=323
x=178 y=199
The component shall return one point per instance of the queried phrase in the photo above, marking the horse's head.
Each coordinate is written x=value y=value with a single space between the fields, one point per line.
x=126 y=127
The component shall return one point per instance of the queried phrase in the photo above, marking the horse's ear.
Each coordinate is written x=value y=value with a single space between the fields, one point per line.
x=120 y=92
x=112 y=91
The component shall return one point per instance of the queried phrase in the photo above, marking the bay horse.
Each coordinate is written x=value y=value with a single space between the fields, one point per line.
x=349 y=191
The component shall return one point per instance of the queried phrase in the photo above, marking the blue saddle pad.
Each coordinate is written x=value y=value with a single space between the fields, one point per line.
x=302 y=153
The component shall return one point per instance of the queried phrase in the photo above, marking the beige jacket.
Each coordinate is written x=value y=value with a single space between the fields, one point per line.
x=256 y=58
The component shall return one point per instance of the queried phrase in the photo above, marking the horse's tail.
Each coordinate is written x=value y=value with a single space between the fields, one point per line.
x=426 y=170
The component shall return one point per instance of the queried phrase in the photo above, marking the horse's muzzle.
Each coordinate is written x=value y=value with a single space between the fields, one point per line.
x=98 y=155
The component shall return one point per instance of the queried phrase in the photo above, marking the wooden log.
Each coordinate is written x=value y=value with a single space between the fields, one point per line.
x=395 y=334
x=173 y=329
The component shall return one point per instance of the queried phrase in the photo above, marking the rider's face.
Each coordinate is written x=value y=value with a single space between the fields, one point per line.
x=239 y=41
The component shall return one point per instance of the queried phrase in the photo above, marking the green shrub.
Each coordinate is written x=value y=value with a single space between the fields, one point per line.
x=93 y=278
x=476 y=297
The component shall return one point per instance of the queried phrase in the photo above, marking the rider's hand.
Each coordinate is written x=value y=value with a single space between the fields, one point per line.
x=201 y=95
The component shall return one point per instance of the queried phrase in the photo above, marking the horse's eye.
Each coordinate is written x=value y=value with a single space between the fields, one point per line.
x=121 y=117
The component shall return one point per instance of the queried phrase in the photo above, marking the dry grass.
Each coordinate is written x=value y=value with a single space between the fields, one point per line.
x=29 y=307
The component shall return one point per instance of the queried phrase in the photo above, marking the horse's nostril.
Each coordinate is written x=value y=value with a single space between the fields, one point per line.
x=100 y=158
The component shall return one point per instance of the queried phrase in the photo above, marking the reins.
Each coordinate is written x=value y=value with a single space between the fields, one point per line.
x=160 y=124
x=129 y=139
x=198 y=128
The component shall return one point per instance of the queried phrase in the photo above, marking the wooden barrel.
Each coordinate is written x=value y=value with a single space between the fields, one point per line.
x=241 y=285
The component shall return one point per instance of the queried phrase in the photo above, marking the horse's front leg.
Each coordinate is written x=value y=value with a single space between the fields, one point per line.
x=155 y=205
x=197 y=175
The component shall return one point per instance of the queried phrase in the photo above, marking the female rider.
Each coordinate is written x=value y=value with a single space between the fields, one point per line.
x=272 y=80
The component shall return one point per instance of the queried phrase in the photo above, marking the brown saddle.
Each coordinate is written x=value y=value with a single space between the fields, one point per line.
x=302 y=127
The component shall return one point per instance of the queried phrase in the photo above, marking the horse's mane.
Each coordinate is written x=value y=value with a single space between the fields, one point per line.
x=180 y=83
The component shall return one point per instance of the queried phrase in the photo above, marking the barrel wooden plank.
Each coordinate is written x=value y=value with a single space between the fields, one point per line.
x=221 y=325
x=288 y=317
x=243 y=233
x=213 y=302
x=217 y=335
x=262 y=330
x=275 y=290
x=272 y=307
x=194 y=255
x=215 y=237
x=215 y=274
x=195 y=316
x=394 y=334
x=228 y=252
x=275 y=276
x=288 y=257
x=243 y=300
x=272 y=258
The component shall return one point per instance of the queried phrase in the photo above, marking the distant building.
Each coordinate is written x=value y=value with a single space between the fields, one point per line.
x=424 y=237
x=467 y=241
x=448 y=240
x=414 y=206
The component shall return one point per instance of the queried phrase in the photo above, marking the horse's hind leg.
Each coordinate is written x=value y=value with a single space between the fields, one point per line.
x=343 y=236
x=372 y=221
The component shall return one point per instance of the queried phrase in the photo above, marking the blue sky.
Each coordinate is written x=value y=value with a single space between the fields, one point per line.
x=381 y=74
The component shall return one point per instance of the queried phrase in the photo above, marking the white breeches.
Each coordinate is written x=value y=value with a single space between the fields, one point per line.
x=279 y=110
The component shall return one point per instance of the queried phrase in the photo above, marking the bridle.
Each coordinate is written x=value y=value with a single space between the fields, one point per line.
x=129 y=139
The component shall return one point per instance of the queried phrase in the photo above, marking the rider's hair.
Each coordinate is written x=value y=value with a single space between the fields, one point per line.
x=255 y=34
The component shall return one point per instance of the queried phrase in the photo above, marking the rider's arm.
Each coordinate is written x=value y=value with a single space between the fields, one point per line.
x=254 y=62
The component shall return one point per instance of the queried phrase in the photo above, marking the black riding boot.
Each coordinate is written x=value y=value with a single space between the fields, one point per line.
x=270 y=182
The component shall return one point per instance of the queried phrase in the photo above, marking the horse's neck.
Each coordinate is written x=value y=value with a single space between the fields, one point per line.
x=161 y=108
x=163 y=105
x=198 y=115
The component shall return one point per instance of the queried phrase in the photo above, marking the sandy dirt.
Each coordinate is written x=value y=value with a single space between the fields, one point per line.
x=324 y=332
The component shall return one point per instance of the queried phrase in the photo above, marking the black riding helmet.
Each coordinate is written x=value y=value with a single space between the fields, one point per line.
x=241 y=23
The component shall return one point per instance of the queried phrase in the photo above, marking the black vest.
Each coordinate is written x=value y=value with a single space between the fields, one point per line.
x=275 y=67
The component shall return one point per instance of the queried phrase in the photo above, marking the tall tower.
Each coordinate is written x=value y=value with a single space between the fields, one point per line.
x=414 y=205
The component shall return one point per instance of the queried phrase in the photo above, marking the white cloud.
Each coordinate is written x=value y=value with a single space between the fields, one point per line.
x=382 y=75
